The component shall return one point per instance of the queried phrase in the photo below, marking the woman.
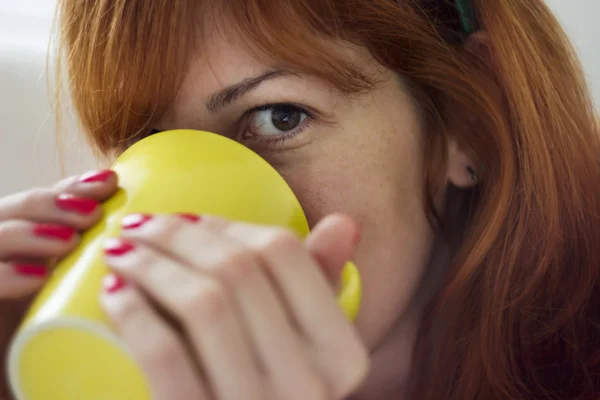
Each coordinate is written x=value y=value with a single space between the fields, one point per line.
x=451 y=150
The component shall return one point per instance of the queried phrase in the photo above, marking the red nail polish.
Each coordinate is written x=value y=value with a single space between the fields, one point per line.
x=33 y=270
x=190 y=217
x=96 y=176
x=113 y=283
x=117 y=247
x=79 y=205
x=134 y=221
x=53 y=231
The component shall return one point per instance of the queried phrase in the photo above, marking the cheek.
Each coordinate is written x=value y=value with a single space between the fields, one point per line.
x=396 y=235
x=322 y=191
x=370 y=167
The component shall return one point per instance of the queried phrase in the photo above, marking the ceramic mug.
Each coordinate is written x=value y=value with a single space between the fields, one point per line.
x=65 y=348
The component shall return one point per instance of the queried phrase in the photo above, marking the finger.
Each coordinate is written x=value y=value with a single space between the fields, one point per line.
x=157 y=349
x=297 y=274
x=74 y=201
x=95 y=185
x=46 y=206
x=23 y=239
x=293 y=268
x=304 y=287
x=204 y=309
x=19 y=280
x=337 y=349
x=281 y=348
x=332 y=243
x=278 y=345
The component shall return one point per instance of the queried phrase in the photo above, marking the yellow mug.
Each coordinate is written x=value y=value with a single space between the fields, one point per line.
x=65 y=348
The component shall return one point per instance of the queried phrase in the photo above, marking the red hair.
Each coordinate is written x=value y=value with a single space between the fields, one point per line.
x=520 y=308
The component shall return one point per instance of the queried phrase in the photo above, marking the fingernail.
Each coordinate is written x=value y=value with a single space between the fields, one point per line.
x=134 y=221
x=117 y=247
x=113 y=283
x=79 y=205
x=96 y=176
x=34 y=270
x=53 y=231
x=190 y=217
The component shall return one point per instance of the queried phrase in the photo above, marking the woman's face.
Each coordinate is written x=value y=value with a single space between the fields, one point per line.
x=357 y=154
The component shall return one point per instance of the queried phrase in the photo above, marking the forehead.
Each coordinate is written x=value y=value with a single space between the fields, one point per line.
x=218 y=61
x=221 y=59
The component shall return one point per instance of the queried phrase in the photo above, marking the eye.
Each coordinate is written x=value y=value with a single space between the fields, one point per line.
x=276 y=119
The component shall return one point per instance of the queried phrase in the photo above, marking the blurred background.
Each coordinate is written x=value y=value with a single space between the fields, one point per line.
x=28 y=152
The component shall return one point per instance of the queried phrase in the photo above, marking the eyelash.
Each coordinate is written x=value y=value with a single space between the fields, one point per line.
x=278 y=140
x=273 y=141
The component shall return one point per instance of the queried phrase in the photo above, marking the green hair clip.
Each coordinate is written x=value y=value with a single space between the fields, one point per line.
x=467 y=19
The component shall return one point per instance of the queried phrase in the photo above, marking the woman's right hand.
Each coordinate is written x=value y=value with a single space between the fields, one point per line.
x=37 y=228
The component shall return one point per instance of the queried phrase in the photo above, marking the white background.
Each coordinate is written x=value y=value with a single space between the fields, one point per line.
x=28 y=155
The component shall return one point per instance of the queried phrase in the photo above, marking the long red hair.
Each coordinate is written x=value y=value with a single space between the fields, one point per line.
x=520 y=308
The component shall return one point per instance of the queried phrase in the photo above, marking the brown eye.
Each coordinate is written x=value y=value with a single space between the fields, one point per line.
x=276 y=119
x=286 y=118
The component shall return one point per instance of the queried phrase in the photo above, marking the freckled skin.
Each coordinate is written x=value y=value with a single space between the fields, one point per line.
x=361 y=155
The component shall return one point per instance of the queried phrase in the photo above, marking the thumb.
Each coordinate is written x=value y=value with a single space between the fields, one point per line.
x=332 y=243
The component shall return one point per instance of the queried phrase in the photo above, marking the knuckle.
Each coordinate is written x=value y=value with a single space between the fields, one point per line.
x=65 y=183
x=207 y=302
x=164 y=227
x=279 y=239
x=34 y=198
x=7 y=230
x=128 y=309
x=165 y=353
x=236 y=267
x=136 y=266
x=160 y=347
x=354 y=372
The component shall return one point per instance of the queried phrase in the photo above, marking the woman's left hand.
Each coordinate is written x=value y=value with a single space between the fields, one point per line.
x=217 y=310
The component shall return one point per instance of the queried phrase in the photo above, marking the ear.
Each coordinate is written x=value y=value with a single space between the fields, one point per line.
x=461 y=171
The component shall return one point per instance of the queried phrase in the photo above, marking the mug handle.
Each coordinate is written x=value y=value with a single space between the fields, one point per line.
x=350 y=294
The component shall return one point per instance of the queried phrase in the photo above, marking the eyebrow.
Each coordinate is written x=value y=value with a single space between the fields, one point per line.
x=224 y=97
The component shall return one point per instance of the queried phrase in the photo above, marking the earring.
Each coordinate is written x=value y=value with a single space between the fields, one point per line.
x=472 y=173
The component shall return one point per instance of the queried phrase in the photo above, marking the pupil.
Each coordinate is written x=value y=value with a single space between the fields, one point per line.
x=286 y=118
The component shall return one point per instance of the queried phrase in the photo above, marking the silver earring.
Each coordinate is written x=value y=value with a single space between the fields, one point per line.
x=472 y=173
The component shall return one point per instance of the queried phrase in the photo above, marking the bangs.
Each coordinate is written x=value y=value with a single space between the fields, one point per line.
x=127 y=59
x=302 y=35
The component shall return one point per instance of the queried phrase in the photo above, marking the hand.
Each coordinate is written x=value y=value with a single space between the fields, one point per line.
x=252 y=314
x=36 y=228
